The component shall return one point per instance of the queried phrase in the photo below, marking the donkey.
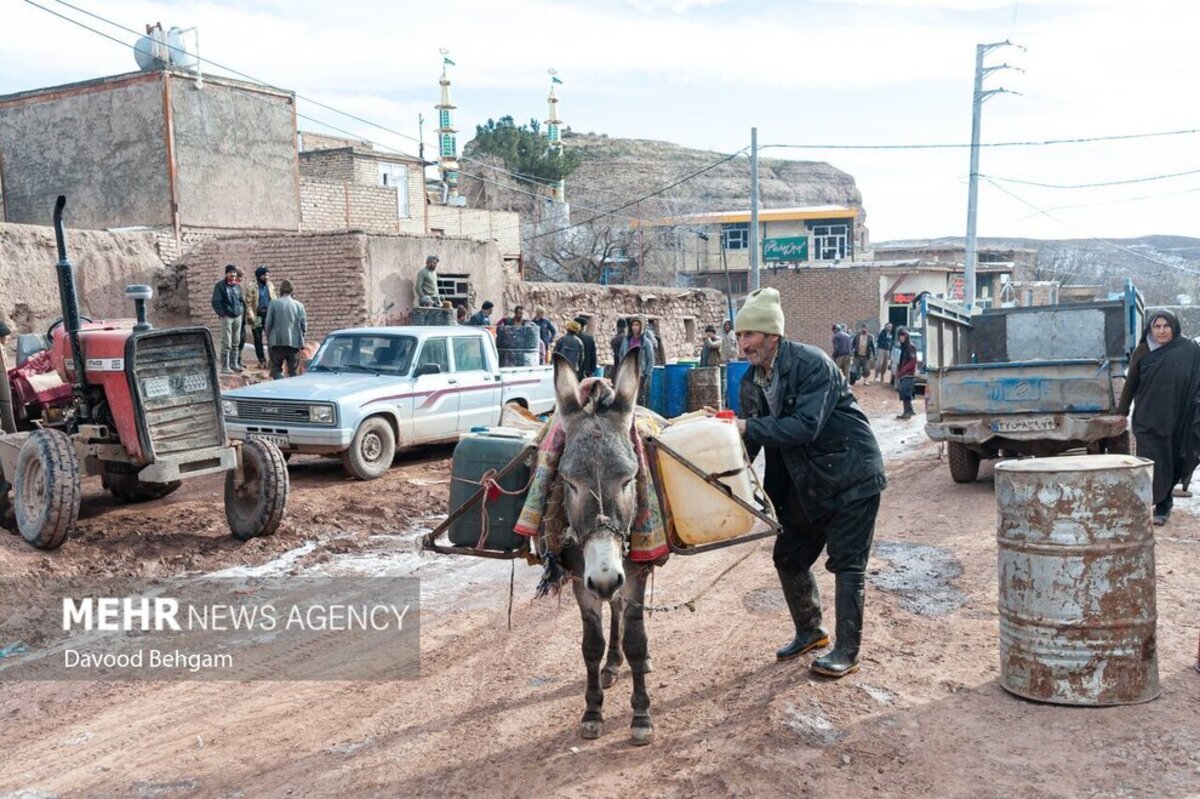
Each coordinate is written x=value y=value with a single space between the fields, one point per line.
x=599 y=468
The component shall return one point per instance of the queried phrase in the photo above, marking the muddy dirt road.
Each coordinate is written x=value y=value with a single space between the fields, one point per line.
x=495 y=712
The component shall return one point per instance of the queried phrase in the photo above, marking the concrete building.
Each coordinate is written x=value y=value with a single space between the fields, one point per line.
x=159 y=149
x=1018 y=263
x=706 y=246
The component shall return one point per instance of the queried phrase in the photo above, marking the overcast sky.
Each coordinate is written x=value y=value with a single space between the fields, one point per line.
x=701 y=73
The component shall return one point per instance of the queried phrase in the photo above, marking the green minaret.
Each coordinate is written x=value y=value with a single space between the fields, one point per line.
x=447 y=142
x=554 y=134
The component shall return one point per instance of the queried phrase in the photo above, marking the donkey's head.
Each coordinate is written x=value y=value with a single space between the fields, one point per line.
x=598 y=467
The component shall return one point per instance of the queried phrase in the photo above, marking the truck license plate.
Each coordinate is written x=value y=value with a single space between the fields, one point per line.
x=1022 y=425
x=279 y=441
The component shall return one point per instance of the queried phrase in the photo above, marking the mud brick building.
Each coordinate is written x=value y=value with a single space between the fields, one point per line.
x=159 y=149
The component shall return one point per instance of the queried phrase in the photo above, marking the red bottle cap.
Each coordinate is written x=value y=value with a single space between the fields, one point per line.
x=726 y=415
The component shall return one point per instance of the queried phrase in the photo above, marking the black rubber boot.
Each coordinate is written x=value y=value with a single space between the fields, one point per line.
x=848 y=601
x=804 y=603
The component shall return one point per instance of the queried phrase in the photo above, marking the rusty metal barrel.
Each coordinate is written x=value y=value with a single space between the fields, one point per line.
x=1076 y=568
x=704 y=388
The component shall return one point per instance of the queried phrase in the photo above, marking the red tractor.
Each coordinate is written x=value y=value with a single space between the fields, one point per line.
x=138 y=406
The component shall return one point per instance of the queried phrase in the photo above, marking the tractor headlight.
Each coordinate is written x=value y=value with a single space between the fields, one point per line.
x=229 y=407
x=321 y=414
x=154 y=387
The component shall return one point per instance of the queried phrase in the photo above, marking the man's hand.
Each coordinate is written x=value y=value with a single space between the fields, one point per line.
x=741 y=426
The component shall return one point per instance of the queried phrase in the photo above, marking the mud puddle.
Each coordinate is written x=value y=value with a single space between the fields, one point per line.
x=921 y=575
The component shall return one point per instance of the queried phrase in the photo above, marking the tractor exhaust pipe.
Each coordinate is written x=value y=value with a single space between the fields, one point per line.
x=70 y=305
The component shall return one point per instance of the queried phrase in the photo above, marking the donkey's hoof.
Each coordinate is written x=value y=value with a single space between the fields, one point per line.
x=591 y=729
x=608 y=678
x=649 y=666
x=640 y=736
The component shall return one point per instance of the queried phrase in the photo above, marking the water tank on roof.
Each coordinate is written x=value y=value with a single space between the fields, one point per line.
x=150 y=52
x=179 y=55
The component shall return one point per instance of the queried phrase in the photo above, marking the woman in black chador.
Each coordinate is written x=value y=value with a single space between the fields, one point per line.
x=1163 y=384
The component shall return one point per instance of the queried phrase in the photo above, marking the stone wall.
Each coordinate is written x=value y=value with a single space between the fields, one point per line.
x=681 y=314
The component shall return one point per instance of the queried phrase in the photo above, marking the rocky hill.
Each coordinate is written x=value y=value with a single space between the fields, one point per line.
x=614 y=171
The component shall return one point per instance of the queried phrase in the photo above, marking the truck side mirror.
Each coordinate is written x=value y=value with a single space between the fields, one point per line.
x=427 y=369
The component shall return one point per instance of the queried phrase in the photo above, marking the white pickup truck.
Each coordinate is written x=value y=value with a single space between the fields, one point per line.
x=371 y=390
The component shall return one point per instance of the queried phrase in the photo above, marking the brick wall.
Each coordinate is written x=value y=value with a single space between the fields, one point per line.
x=678 y=311
x=815 y=298
x=328 y=205
x=328 y=165
x=320 y=141
x=327 y=270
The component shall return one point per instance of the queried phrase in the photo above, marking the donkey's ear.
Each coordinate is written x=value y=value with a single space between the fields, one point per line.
x=566 y=386
x=627 y=382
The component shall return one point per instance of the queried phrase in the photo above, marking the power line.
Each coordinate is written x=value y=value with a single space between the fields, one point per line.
x=1122 y=200
x=1093 y=185
x=1041 y=143
x=655 y=193
x=1092 y=237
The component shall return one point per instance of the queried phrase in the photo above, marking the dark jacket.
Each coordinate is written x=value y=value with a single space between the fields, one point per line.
x=906 y=366
x=821 y=445
x=588 y=367
x=870 y=344
x=479 y=319
x=842 y=344
x=883 y=341
x=546 y=329
x=227 y=301
x=571 y=348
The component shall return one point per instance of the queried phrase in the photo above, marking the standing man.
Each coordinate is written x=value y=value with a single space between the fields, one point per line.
x=425 y=286
x=229 y=306
x=286 y=323
x=864 y=353
x=616 y=342
x=883 y=352
x=660 y=352
x=546 y=328
x=482 y=317
x=842 y=348
x=729 y=344
x=570 y=346
x=588 y=367
x=710 y=348
x=256 y=310
x=518 y=317
x=824 y=473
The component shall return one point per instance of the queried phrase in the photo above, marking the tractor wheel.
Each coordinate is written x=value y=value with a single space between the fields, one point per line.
x=964 y=463
x=372 y=449
x=127 y=488
x=257 y=507
x=46 y=489
x=1117 y=445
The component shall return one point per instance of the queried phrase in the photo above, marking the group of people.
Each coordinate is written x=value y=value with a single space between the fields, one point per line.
x=856 y=356
x=277 y=320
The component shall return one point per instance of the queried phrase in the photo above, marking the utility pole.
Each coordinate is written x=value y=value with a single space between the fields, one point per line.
x=754 y=209
x=979 y=97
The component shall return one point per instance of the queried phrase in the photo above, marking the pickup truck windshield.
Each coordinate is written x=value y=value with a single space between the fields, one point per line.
x=386 y=355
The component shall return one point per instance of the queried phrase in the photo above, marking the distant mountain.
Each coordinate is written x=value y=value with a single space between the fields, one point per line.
x=1163 y=267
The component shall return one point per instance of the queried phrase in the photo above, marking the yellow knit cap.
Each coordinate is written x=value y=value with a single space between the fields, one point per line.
x=761 y=313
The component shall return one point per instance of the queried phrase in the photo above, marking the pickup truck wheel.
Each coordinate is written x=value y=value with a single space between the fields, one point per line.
x=964 y=464
x=1118 y=445
x=257 y=507
x=372 y=450
x=46 y=489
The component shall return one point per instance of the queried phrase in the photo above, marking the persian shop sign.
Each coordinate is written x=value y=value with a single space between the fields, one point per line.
x=788 y=249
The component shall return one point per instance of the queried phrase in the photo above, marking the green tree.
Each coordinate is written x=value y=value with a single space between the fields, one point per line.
x=523 y=150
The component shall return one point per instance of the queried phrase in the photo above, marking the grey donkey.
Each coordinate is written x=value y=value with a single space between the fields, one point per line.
x=599 y=468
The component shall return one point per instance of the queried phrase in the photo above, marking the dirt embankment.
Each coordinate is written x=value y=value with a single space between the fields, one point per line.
x=495 y=712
